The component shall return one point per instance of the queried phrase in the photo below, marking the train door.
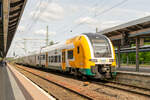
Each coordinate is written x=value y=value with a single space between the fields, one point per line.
x=46 y=65
x=35 y=61
x=63 y=59
x=40 y=60
x=67 y=62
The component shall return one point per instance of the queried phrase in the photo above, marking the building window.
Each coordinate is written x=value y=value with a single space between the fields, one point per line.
x=70 y=54
x=78 y=50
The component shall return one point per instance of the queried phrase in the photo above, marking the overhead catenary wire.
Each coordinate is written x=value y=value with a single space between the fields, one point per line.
x=103 y=11
x=73 y=27
x=65 y=28
x=112 y=7
x=106 y=10
x=19 y=42
x=37 y=14
x=35 y=18
x=34 y=13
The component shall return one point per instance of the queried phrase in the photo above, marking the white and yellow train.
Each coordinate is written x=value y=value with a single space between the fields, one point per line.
x=86 y=54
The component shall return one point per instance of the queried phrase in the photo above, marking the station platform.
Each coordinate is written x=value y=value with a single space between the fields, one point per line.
x=133 y=69
x=129 y=75
x=15 y=86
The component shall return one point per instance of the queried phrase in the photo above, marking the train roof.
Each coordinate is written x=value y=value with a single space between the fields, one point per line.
x=93 y=34
x=53 y=47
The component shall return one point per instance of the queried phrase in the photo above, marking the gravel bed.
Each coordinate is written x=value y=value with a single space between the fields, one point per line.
x=108 y=93
x=54 y=90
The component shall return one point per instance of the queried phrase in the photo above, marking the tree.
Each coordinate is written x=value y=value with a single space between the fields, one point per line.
x=51 y=43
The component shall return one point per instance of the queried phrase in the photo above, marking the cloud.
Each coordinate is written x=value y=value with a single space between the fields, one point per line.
x=146 y=14
x=87 y=20
x=43 y=32
x=120 y=12
x=121 y=15
x=49 y=12
x=73 y=8
x=93 y=23
x=21 y=28
x=131 y=12
x=109 y=24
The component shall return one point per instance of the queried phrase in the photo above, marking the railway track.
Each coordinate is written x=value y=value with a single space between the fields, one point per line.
x=88 y=95
x=60 y=85
x=125 y=87
x=109 y=84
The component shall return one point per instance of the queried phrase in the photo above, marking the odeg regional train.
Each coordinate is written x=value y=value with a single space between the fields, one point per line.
x=87 y=54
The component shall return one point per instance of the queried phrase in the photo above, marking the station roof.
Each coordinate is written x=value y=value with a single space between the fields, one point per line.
x=11 y=13
x=139 y=27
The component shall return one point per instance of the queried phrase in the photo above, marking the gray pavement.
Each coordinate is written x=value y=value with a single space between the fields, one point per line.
x=9 y=89
x=141 y=69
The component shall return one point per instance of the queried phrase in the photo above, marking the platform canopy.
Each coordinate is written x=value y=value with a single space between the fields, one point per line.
x=128 y=31
x=10 y=15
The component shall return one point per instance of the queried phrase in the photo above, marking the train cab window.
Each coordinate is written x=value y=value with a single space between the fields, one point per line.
x=100 y=44
x=78 y=49
x=38 y=57
x=70 y=54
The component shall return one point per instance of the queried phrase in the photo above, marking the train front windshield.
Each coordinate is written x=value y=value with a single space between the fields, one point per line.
x=101 y=46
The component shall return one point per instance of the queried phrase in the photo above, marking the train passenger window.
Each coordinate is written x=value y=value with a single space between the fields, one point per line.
x=55 y=59
x=59 y=58
x=70 y=54
x=43 y=57
x=78 y=50
x=49 y=58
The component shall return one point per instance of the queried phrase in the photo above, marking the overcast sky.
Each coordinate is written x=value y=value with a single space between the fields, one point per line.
x=68 y=18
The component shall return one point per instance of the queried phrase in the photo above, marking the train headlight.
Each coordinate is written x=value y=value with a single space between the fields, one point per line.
x=94 y=60
x=111 y=60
